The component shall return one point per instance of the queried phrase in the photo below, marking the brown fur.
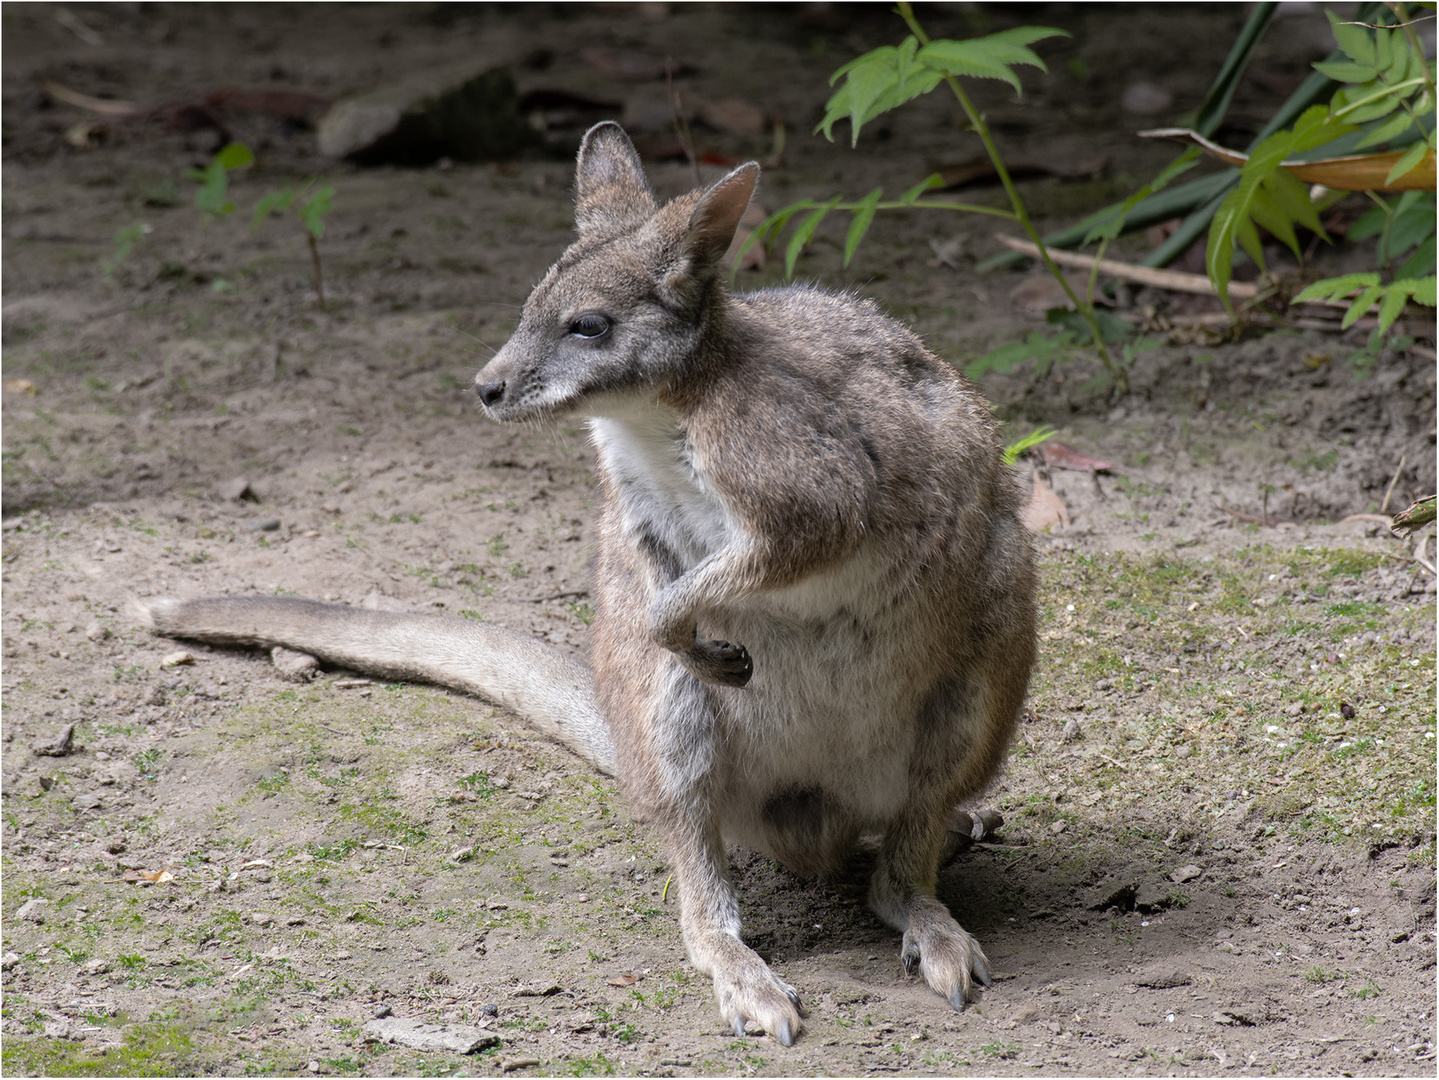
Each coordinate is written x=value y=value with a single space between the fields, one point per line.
x=814 y=598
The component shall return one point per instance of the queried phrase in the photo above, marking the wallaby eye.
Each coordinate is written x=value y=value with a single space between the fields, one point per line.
x=590 y=326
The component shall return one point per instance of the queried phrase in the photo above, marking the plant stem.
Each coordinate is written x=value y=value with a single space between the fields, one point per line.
x=1021 y=214
x=315 y=275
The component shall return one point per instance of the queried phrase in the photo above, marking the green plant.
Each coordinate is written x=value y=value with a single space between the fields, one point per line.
x=213 y=195
x=125 y=240
x=887 y=77
x=1027 y=442
x=310 y=205
x=1386 y=96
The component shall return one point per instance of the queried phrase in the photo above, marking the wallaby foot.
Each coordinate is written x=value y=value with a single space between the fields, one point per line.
x=938 y=948
x=745 y=987
x=718 y=662
x=965 y=829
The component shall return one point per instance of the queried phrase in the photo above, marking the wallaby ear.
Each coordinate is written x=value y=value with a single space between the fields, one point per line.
x=715 y=219
x=610 y=184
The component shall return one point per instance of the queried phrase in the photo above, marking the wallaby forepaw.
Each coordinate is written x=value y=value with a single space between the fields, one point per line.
x=950 y=960
x=757 y=994
x=719 y=662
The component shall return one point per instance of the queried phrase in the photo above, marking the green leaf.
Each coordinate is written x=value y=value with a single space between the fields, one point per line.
x=910 y=197
x=874 y=83
x=1028 y=442
x=1354 y=40
x=312 y=214
x=1419 y=264
x=1392 y=128
x=1216 y=103
x=1361 y=305
x=989 y=57
x=1042 y=348
x=276 y=202
x=1390 y=308
x=1346 y=72
x=235 y=156
x=1336 y=288
x=1412 y=157
x=863 y=215
x=802 y=235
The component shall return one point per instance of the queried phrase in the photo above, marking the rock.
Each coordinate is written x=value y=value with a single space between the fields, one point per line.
x=1163 y=976
x=237 y=490
x=59 y=746
x=1113 y=892
x=268 y=525
x=510 y=1064
x=1186 y=873
x=416 y=1035
x=175 y=659
x=96 y=633
x=97 y=966
x=34 y=910
x=9 y=960
x=89 y=801
x=1153 y=896
x=465 y=112
x=1072 y=731
x=384 y=1011
x=293 y=666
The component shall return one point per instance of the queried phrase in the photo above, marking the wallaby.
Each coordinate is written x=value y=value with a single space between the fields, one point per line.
x=814 y=613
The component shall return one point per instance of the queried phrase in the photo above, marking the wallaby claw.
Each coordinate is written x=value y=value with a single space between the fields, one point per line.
x=909 y=957
x=739 y=1027
x=720 y=663
x=981 y=972
x=784 y=1034
x=956 y=1000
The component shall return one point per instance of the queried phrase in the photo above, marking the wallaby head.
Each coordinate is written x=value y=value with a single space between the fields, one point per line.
x=625 y=308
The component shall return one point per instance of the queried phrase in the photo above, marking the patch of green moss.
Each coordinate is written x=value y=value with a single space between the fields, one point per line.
x=148 y=1050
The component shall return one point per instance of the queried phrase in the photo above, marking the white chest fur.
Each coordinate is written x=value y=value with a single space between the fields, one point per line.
x=660 y=490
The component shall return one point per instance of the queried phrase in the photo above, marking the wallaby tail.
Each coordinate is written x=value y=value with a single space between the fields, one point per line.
x=555 y=693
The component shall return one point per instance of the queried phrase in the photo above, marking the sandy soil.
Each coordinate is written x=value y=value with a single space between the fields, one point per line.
x=1218 y=856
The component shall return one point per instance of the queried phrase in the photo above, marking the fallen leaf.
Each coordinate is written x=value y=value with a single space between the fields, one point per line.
x=1354 y=172
x=19 y=386
x=623 y=980
x=143 y=877
x=1058 y=456
x=175 y=659
x=1045 y=509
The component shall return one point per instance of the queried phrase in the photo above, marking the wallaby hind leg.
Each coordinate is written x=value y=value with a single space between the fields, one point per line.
x=745 y=987
x=902 y=894
x=681 y=740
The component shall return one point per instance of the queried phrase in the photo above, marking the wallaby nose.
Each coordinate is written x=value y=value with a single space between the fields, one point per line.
x=490 y=392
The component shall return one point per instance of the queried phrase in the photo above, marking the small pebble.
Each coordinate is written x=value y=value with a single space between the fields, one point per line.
x=384 y=1011
x=1346 y=710
x=1072 y=731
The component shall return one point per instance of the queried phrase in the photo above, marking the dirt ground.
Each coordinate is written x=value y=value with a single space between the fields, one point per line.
x=1218 y=856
